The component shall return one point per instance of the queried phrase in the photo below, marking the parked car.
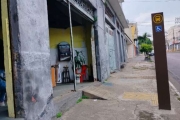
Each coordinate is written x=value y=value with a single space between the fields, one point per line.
x=151 y=54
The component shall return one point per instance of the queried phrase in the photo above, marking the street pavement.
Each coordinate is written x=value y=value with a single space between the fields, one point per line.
x=130 y=94
x=173 y=60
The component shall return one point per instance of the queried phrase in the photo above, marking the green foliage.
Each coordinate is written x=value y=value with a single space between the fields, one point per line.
x=144 y=39
x=79 y=59
x=79 y=100
x=85 y=97
x=105 y=3
x=59 y=115
x=146 y=48
x=95 y=19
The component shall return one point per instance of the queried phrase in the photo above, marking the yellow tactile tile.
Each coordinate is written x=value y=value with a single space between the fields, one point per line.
x=152 y=97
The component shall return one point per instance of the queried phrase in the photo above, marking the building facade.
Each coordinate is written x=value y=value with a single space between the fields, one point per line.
x=173 y=38
x=134 y=32
x=130 y=43
x=41 y=34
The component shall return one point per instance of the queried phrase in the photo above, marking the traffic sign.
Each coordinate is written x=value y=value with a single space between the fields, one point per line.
x=158 y=18
x=161 y=61
x=158 y=28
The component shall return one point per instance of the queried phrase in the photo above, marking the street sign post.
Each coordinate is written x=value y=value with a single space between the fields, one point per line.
x=161 y=61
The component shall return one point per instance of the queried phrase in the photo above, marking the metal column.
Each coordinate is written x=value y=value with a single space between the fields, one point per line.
x=72 y=44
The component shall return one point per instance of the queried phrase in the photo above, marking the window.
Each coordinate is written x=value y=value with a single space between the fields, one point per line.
x=109 y=13
x=117 y=24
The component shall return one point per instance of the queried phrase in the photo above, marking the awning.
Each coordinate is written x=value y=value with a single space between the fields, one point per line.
x=119 y=12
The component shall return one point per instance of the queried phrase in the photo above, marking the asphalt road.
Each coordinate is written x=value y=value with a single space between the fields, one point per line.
x=173 y=60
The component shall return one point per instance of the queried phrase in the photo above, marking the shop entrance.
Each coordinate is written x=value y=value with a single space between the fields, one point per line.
x=61 y=48
x=6 y=83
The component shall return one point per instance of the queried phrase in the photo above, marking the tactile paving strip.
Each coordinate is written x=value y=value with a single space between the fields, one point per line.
x=152 y=97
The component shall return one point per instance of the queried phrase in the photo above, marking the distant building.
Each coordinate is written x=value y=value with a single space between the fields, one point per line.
x=130 y=43
x=173 y=38
x=134 y=36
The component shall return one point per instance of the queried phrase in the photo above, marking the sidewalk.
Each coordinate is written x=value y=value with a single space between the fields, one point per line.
x=128 y=95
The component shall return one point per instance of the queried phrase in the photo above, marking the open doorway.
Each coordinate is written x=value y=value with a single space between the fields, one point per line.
x=60 y=47
x=6 y=83
x=3 y=100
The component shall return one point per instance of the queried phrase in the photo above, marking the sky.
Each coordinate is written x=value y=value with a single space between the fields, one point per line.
x=140 y=11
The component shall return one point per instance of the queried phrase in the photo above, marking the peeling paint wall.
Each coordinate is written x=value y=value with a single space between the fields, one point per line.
x=102 y=55
x=35 y=57
x=102 y=59
x=31 y=55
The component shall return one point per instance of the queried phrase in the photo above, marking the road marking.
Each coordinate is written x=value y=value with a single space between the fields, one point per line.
x=174 y=88
x=177 y=92
x=170 y=83
x=152 y=97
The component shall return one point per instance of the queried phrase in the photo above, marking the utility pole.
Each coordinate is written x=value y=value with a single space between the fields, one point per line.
x=72 y=45
x=177 y=20
x=173 y=40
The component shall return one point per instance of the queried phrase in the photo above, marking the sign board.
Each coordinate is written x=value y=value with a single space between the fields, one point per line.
x=161 y=61
x=64 y=51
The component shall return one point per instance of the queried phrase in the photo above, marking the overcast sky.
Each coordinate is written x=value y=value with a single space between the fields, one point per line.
x=140 y=11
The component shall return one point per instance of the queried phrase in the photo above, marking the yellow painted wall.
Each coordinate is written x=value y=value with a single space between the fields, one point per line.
x=7 y=58
x=81 y=34
x=63 y=35
x=133 y=28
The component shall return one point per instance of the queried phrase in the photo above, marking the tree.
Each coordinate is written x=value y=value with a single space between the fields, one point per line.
x=144 y=39
x=146 y=48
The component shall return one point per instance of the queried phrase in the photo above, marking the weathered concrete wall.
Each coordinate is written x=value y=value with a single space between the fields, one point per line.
x=118 y=54
x=100 y=38
x=33 y=87
x=130 y=51
x=93 y=2
x=121 y=48
x=100 y=27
